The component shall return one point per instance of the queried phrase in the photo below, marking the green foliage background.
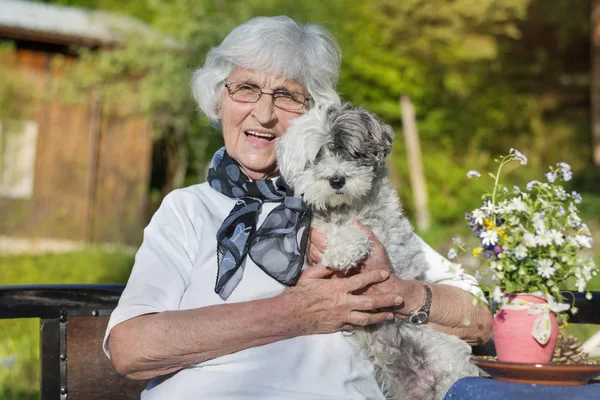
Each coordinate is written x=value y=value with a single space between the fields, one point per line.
x=484 y=75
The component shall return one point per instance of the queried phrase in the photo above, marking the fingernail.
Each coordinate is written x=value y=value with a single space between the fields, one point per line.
x=390 y=316
x=399 y=300
x=385 y=274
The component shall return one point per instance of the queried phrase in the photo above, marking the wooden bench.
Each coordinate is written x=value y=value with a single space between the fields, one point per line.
x=73 y=320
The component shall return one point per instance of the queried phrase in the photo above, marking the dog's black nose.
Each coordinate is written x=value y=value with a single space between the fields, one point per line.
x=337 y=182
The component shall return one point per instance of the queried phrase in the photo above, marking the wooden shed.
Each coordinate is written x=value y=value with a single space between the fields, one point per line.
x=67 y=171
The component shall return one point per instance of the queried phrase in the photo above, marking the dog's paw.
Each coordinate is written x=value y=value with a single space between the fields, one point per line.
x=347 y=247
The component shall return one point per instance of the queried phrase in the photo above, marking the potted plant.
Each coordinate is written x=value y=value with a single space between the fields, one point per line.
x=530 y=242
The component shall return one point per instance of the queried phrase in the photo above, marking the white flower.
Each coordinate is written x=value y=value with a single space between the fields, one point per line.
x=573 y=243
x=531 y=184
x=512 y=267
x=457 y=269
x=588 y=296
x=503 y=207
x=498 y=295
x=584 y=241
x=451 y=254
x=551 y=176
x=489 y=238
x=564 y=166
x=478 y=216
x=567 y=175
x=545 y=268
x=573 y=209
x=520 y=252
x=518 y=205
x=540 y=226
x=561 y=211
x=473 y=174
x=581 y=284
x=488 y=208
x=557 y=237
x=519 y=156
x=576 y=197
x=529 y=239
x=560 y=193
x=583 y=228
x=513 y=220
x=516 y=189
x=544 y=239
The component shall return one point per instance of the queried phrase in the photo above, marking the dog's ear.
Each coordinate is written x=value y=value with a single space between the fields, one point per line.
x=382 y=135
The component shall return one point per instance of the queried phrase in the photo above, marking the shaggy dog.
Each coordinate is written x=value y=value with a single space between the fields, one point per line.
x=335 y=158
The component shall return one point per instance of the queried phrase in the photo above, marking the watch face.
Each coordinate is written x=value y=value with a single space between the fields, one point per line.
x=418 y=318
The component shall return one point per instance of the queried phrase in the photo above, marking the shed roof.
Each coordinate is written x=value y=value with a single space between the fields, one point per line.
x=65 y=25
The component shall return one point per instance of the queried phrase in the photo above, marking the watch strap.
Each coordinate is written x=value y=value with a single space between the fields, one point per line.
x=422 y=315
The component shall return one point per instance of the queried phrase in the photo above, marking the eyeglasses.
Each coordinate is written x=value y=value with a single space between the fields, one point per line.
x=284 y=99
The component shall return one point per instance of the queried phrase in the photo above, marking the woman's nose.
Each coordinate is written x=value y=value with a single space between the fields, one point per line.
x=264 y=110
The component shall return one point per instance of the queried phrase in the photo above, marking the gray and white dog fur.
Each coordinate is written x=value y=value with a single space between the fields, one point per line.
x=335 y=158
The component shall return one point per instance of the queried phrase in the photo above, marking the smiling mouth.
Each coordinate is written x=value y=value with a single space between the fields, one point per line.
x=260 y=135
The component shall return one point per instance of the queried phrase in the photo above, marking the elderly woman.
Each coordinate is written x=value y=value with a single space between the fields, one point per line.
x=254 y=334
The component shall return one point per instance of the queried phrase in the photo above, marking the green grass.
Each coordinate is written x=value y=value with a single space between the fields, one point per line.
x=19 y=339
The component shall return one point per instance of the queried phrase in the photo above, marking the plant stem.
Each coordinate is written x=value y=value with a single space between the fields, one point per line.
x=504 y=161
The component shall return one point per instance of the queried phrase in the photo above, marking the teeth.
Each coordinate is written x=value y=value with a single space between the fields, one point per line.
x=260 y=134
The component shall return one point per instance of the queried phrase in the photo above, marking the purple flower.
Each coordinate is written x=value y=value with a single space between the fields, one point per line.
x=501 y=316
x=498 y=249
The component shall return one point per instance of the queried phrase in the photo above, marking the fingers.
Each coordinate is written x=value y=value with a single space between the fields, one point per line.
x=370 y=234
x=318 y=239
x=317 y=271
x=316 y=247
x=375 y=303
x=359 y=318
x=362 y=280
x=368 y=231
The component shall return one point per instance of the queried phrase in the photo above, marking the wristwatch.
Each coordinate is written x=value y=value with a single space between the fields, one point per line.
x=422 y=315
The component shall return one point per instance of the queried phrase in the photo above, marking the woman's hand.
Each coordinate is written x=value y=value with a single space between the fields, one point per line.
x=323 y=305
x=411 y=291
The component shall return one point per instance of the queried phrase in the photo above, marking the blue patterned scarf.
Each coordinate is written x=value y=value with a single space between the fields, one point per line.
x=277 y=247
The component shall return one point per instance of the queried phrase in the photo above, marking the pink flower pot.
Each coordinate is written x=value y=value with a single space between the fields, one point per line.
x=513 y=337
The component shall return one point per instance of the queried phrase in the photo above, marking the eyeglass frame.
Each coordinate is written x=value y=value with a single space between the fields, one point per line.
x=305 y=103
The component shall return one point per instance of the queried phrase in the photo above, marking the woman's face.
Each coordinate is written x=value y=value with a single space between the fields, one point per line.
x=250 y=130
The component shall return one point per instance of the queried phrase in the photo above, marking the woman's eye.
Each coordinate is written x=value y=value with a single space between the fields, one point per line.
x=246 y=87
x=284 y=94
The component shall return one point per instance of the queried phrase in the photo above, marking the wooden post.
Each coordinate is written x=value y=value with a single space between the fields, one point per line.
x=415 y=163
x=94 y=160
x=595 y=86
